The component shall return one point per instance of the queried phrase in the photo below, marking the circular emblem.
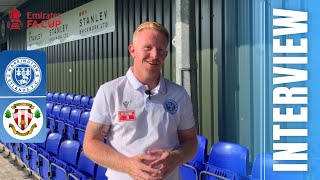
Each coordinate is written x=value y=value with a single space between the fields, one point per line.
x=3 y=28
x=170 y=106
x=23 y=75
x=22 y=119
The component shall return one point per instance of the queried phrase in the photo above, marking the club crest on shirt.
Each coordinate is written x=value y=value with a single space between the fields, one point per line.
x=170 y=106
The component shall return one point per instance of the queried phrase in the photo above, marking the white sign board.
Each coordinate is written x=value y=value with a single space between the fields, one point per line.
x=91 y=19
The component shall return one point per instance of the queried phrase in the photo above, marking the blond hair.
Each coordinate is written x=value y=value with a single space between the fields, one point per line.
x=151 y=25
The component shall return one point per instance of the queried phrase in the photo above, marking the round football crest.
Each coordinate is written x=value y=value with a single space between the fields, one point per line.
x=23 y=75
x=22 y=119
x=170 y=106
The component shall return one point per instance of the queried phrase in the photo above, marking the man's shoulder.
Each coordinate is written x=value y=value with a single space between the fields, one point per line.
x=172 y=86
x=114 y=83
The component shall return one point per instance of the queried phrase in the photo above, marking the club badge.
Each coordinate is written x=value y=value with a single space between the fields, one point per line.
x=170 y=106
x=22 y=119
x=23 y=75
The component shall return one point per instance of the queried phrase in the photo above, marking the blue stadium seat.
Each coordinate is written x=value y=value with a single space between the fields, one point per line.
x=101 y=173
x=230 y=156
x=263 y=168
x=62 y=119
x=227 y=160
x=77 y=100
x=43 y=144
x=46 y=156
x=55 y=97
x=32 y=158
x=69 y=99
x=29 y=153
x=69 y=152
x=80 y=128
x=192 y=169
x=49 y=107
x=49 y=96
x=86 y=168
x=17 y=149
x=71 y=123
x=85 y=101
x=24 y=153
x=62 y=98
x=54 y=116
x=90 y=103
x=84 y=118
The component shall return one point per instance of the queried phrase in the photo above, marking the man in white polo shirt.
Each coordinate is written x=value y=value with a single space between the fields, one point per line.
x=148 y=120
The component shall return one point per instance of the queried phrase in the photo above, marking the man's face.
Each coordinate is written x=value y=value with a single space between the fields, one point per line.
x=149 y=51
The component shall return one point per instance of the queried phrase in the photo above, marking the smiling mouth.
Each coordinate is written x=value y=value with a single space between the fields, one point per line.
x=152 y=63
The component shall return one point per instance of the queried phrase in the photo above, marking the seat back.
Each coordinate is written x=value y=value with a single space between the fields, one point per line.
x=202 y=155
x=49 y=107
x=43 y=145
x=85 y=101
x=65 y=113
x=62 y=98
x=86 y=166
x=56 y=111
x=77 y=100
x=230 y=156
x=55 y=97
x=69 y=152
x=75 y=115
x=69 y=99
x=53 y=143
x=90 y=103
x=84 y=118
x=49 y=96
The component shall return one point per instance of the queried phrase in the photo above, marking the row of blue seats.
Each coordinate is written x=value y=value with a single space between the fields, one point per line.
x=57 y=159
x=77 y=100
x=64 y=159
x=66 y=126
x=70 y=122
x=231 y=161
x=226 y=160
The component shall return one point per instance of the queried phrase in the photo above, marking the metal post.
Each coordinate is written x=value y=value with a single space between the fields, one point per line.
x=185 y=44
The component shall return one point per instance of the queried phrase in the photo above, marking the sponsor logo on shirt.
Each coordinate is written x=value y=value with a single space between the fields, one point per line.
x=128 y=115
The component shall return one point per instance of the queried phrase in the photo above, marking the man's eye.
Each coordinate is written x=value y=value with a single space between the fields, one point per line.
x=160 y=50
x=147 y=48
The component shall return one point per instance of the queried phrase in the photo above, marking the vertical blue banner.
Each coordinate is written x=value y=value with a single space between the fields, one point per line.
x=295 y=29
x=314 y=90
x=23 y=96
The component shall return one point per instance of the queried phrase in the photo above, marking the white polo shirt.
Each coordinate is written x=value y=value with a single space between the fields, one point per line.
x=137 y=123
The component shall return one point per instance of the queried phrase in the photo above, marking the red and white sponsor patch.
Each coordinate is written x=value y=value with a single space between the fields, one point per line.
x=128 y=115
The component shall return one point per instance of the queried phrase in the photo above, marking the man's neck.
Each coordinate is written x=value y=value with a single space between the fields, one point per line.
x=150 y=80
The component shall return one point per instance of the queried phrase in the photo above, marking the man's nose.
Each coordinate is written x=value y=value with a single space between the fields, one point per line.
x=154 y=53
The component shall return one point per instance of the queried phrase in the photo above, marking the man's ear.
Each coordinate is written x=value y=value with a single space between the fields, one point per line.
x=131 y=50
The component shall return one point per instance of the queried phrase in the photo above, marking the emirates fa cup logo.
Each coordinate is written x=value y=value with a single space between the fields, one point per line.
x=15 y=22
